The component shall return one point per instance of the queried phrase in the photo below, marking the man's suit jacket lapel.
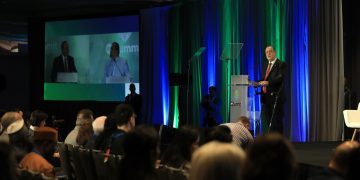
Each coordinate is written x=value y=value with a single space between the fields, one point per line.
x=275 y=65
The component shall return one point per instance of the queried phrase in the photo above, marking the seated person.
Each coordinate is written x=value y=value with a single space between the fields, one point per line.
x=37 y=119
x=45 y=139
x=339 y=165
x=85 y=116
x=140 y=153
x=217 y=161
x=16 y=133
x=271 y=156
x=177 y=157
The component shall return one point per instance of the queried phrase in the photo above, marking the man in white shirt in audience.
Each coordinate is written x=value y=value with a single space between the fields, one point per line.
x=240 y=131
x=84 y=116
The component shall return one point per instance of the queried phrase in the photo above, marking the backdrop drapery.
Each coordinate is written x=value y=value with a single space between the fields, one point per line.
x=154 y=65
x=307 y=35
x=326 y=70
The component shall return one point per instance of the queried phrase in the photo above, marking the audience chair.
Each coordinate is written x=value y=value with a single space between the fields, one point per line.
x=87 y=163
x=65 y=160
x=112 y=165
x=76 y=159
x=101 y=170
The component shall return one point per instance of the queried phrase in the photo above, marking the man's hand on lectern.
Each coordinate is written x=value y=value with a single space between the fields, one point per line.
x=264 y=83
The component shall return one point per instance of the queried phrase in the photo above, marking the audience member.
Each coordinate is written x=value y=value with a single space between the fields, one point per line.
x=177 y=157
x=85 y=134
x=85 y=116
x=217 y=161
x=37 y=119
x=271 y=157
x=240 y=132
x=339 y=164
x=352 y=172
x=109 y=128
x=8 y=163
x=45 y=139
x=140 y=154
x=98 y=127
x=16 y=133
x=220 y=133
x=116 y=126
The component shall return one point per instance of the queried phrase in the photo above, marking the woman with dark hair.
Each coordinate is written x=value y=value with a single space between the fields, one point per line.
x=37 y=119
x=220 y=133
x=140 y=154
x=177 y=156
x=271 y=157
x=115 y=128
x=109 y=128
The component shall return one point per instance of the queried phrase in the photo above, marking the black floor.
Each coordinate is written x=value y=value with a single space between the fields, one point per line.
x=313 y=157
x=315 y=153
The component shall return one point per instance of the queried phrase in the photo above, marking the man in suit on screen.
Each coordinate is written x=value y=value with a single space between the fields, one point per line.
x=272 y=91
x=63 y=63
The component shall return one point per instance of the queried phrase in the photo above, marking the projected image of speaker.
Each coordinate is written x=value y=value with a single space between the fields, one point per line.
x=91 y=59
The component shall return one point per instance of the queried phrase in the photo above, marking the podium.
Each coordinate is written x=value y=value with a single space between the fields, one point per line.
x=66 y=77
x=239 y=104
x=117 y=80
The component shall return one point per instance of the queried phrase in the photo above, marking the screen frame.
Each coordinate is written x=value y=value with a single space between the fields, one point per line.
x=37 y=54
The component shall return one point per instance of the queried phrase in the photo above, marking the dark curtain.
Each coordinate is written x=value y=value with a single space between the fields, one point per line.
x=154 y=65
x=326 y=69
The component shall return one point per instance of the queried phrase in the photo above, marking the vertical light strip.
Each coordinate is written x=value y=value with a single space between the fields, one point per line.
x=175 y=46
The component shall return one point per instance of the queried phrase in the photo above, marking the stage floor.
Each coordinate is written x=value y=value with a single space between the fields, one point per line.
x=315 y=153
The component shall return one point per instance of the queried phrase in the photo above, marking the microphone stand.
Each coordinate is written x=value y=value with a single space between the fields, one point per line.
x=275 y=104
x=188 y=90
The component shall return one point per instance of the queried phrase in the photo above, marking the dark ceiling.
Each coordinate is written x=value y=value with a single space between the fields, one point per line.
x=14 y=14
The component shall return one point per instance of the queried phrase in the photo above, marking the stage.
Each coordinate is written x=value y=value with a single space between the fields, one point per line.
x=313 y=157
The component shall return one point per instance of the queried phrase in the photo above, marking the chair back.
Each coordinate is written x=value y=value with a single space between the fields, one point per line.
x=76 y=159
x=112 y=165
x=87 y=163
x=352 y=118
x=65 y=160
x=100 y=168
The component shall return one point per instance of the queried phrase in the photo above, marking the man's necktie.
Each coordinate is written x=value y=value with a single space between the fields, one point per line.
x=66 y=64
x=266 y=76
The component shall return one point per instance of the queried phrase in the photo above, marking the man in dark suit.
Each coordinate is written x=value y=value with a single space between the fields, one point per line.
x=273 y=91
x=134 y=100
x=63 y=63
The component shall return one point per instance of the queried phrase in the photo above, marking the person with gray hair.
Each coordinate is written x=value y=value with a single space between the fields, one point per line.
x=85 y=116
x=16 y=133
x=217 y=161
